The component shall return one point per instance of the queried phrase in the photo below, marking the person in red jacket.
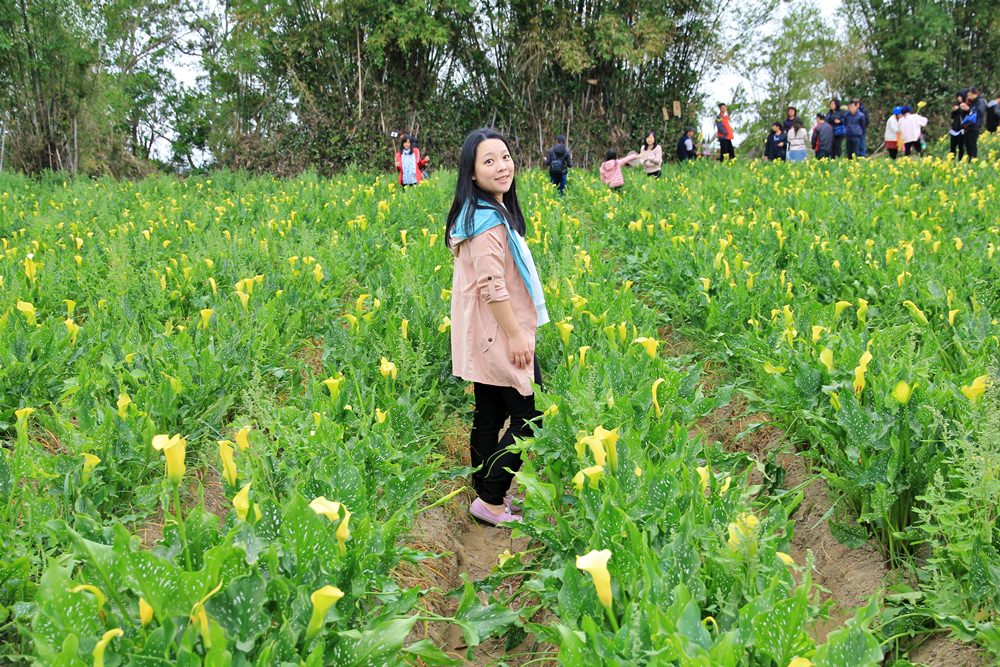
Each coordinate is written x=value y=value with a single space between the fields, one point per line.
x=724 y=131
x=409 y=164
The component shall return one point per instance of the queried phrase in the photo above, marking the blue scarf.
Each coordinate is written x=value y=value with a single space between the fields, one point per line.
x=486 y=218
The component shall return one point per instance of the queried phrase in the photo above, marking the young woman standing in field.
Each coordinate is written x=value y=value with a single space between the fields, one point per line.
x=651 y=155
x=496 y=306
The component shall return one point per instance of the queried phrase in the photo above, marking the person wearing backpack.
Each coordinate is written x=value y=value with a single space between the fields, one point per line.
x=957 y=133
x=822 y=137
x=559 y=160
x=836 y=120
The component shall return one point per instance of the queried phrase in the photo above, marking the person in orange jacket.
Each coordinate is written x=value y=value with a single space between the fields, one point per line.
x=409 y=164
x=724 y=132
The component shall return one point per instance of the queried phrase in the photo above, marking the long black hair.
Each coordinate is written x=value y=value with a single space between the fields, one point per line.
x=656 y=142
x=469 y=196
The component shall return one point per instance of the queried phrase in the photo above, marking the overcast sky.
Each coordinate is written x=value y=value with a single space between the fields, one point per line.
x=721 y=88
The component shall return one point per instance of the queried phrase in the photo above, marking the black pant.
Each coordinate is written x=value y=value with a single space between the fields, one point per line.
x=957 y=146
x=893 y=152
x=838 y=146
x=726 y=148
x=913 y=147
x=654 y=174
x=972 y=143
x=853 y=147
x=822 y=153
x=490 y=453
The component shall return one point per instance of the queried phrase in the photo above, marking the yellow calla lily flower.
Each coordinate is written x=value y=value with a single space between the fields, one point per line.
x=800 y=662
x=976 y=389
x=124 y=400
x=145 y=612
x=28 y=310
x=333 y=384
x=595 y=563
x=90 y=462
x=860 y=370
x=173 y=448
x=102 y=645
x=650 y=345
x=656 y=403
x=743 y=531
x=826 y=358
x=242 y=437
x=322 y=599
x=241 y=503
x=328 y=508
x=387 y=368
x=206 y=317
x=564 y=328
x=704 y=474
x=228 y=462
x=93 y=590
x=72 y=329
x=839 y=307
x=593 y=475
x=915 y=312
x=901 y=392
x=344 y=532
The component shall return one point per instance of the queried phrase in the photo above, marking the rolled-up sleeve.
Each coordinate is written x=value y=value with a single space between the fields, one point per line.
x=488 y=251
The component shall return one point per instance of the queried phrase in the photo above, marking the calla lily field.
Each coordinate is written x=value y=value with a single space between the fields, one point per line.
x=223 y=402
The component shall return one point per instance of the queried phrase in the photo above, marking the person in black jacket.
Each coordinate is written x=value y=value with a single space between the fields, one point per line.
x=956 y=133
x=685 y=146
x=836 y=120
x=559 y=160
x=774 y=147
x=791 y=115
x=972 y=123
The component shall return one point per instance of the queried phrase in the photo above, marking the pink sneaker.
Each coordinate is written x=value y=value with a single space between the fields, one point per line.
x=514 y=501
x=479 y=510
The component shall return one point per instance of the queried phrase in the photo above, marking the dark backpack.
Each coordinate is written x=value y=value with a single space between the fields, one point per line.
x=557 y=166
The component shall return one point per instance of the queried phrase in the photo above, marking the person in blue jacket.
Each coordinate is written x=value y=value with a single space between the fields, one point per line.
x=855 y=123
x=836 y=120
x=863 y=146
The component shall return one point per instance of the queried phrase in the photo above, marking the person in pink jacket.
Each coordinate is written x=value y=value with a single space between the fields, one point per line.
x=497 y=304
x=611 y=169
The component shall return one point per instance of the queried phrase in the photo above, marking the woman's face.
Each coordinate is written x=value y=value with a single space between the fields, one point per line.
x=833 y=105
x=494 y=168
x=650 y=140
x=407 y=144
x=791 y=113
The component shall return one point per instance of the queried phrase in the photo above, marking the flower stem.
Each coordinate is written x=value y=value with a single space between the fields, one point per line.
x=180 y=527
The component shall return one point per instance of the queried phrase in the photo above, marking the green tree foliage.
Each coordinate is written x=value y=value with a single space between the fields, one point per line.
x=792 y=67
x=926 y=49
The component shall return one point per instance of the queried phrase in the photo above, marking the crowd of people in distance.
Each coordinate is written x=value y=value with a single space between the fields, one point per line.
x=840 y=131
x=843 y=132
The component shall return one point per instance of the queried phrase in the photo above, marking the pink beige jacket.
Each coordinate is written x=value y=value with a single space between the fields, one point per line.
x=485 y=272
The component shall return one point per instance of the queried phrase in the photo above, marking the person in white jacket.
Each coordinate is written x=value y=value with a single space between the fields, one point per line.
x=912 y=127
x=894 y=132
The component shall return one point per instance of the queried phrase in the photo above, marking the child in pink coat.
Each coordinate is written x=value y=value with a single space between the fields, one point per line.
x=611 y=169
